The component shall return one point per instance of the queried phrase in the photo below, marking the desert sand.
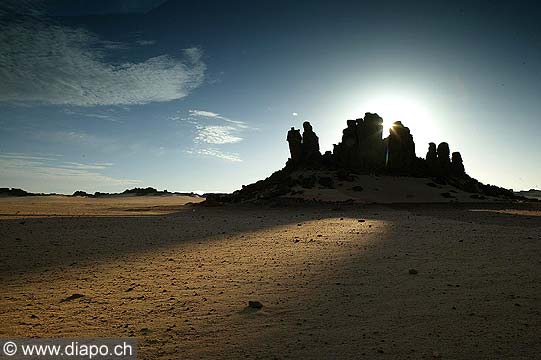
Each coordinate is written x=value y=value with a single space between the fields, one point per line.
x=385 y=189
x=366 y=281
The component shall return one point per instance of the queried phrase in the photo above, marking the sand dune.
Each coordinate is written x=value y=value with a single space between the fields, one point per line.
x=334 y=282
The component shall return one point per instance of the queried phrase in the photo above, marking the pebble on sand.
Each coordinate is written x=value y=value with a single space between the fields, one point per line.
x=72 y=297
x=254 y=304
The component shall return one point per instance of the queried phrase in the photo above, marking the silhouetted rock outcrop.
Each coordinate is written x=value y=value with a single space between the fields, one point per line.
x=444 y=160
x=362 y=146
x=363 y=150
x=400 y=149
x=81 y=193
x=370 y=130
x=457 y=167
x=304 y=149
x=310 y=145
x=432 y=159
x=14 y=192
x=294 y=139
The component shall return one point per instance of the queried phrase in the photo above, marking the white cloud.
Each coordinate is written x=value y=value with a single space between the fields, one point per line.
x=53 y=64
x=208 y=133
x=216 y=134
x=213 y=115
x=295 y=114
x=146 y=42
x=234 y=157
x=22 y=170
x=75 y=137
x=96 y=115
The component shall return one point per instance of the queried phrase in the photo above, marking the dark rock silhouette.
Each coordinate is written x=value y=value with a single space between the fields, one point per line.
x=444 y=160
x=362 y=145
x=14 y=192
x=370 y=134
x=363 y=150
x=457 y=167
x=310 y=145
x=400 y=149
x=294 y=139
x=304 y=149
x=432 y=158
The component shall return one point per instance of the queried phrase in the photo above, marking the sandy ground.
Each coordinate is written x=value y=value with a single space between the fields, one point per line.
x=385 y=189
x=119 y=205
x=334 y=281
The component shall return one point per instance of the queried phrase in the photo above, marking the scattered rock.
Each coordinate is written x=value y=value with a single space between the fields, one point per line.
x=254 y=304
x=413 y=272
x=326 y=181
x=144 y=331
x=72 y=297
x=447 y=195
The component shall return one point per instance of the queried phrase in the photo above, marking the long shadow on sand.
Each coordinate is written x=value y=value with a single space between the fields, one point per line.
x=474 y=294
x=37 y=244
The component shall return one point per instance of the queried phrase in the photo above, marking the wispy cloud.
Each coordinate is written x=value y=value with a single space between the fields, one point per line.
x=42 y=62
x=215 y=153
x=38 y=168
x=108 y=116
x=209 y=135
x=146 y=42
x=74 y=137
x=216 y=134
x=213 y=115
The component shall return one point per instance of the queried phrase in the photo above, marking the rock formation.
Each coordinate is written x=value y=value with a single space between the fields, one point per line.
x=444 y=160
x=363 y=150
x=304 y=149
x=432 y=158
x=400 y=153
x=362 y=145
x=370 y=138
x=457 y=167
x=310 y=144
x=294 y=139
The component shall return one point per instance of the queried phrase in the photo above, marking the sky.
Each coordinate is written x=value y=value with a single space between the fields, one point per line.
x=100 y=95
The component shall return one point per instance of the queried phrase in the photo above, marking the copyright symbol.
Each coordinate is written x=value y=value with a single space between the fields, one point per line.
x=10 y=348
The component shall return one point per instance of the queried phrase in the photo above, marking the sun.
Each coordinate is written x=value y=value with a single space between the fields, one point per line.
x=411 y=112
x=388 y=124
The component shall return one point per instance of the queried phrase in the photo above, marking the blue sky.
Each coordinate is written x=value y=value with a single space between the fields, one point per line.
x=105 y=95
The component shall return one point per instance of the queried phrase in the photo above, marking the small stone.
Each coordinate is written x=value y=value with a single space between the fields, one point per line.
x=72 y=297
x=254 y=304
x=413 y=272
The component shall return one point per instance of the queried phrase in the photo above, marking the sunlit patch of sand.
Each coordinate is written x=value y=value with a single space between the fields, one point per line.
x=50 y=206
x=512 y=212
x=333 y=282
